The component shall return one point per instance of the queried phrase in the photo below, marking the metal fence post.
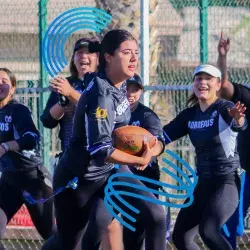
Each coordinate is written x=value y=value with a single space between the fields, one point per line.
x=144 y=47
x=203 y=31
x=44 y=82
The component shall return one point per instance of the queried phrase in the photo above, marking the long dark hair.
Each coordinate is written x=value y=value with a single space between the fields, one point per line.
x=10 y=75
x=192 y=100
x=72 y=68
x=111 y=42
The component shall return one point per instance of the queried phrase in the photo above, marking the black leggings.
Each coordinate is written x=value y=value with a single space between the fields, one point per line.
x=100 y=218
x=214 y=203
x=73 y=209
x=11 y=200
x=134 y=240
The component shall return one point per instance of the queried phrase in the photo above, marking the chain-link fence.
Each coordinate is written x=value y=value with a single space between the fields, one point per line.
x=183 y=33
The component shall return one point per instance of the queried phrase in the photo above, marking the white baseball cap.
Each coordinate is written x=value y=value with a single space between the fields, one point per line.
x=209 y=69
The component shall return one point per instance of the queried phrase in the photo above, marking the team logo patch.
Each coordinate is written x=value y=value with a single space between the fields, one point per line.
x=136 y=123
x=121 y=108
x=214 y=114
x=8 y=118
x=101 y=113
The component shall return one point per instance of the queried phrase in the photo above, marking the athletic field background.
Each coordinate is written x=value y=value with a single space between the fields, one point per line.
x=182 y=33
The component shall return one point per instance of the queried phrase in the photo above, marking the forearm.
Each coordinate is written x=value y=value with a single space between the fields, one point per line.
x=57 y=111
x=239 y=122
x=222 y=64
x=120 y=157
x=8 y=146
x=13 y=146
x=227 y=89
x=74 y=96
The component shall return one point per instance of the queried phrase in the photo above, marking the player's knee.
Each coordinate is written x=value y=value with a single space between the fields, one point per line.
x=181 y=239
x=207 y=234
x=157 y=218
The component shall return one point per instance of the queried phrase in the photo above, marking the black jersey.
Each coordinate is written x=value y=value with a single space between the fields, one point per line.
x=213 y=135
x=145 y=117
x=101 y=109
x=66 y=123
x=16 y=124
x=242 y=94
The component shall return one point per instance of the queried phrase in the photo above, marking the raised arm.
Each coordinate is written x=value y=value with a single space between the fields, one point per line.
x=227 y=88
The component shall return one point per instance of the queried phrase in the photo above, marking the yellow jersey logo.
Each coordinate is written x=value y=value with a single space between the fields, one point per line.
x=101 y=113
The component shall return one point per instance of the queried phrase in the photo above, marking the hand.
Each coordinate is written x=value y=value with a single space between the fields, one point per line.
x=146 y=155
x=223 y=45
x=155 y=147
x=237 y=112
x=61 y=86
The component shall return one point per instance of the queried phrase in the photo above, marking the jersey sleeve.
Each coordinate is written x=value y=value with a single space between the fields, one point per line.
x=46 y=118
x=242 y=94
x=228 y=119
x=177 y=128
x=25 y=130
x=153 y=125
x=100 y=119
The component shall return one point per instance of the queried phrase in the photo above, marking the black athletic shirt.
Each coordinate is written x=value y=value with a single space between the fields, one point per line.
x=145 y=117
x=242 y=94
x=213 y=135
x=66 y=123
x=101 y=109
x=16 y=124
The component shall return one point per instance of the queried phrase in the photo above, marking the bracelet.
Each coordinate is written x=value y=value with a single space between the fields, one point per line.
x=5 y=151
x=6 y=146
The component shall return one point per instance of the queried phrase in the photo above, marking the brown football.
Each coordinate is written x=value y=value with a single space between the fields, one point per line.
x=130 y=139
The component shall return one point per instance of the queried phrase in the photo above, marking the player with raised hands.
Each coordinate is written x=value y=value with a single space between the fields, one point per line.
x=212 y=125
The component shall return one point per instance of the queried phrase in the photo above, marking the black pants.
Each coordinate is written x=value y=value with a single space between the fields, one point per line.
x=100 y=218
x=11 y=200
x=134 y=240
x=214 y=203
x=232 y=223
x=73 y=209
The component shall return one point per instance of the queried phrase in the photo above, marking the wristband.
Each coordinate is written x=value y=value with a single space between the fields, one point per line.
x=5 y=146
x=63 y=100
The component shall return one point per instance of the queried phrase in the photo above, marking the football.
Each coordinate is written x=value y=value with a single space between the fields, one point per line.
x=130 y=139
